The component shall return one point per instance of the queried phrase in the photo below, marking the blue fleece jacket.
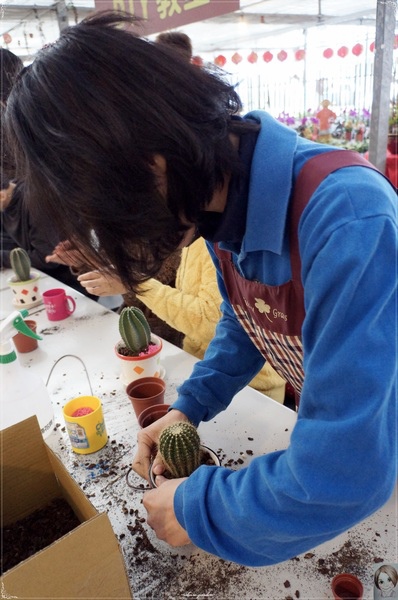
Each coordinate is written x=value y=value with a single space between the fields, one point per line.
x=341 y=463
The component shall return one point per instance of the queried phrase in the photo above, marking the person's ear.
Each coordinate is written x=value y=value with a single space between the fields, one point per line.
x=158 y=165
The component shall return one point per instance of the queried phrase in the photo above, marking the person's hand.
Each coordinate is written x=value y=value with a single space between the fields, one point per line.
x=6 y=196
x=159 y=504
x=65 y=253
x=102 y=284
x=147 y=442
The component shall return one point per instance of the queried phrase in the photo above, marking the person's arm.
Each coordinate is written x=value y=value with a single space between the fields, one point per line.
x=193 y=305
x=341 y=463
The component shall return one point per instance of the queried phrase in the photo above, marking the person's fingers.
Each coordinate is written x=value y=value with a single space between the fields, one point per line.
x=142 y=459
x=89 y=276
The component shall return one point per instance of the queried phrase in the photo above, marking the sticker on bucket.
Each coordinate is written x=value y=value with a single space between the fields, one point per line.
x=77 y=435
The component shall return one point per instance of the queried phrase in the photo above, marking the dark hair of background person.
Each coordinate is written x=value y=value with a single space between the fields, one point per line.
x=10 y=65
x=177 y=40
x=87 y=117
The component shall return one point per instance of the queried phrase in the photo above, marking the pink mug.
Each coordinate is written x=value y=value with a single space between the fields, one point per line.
x=58 y=305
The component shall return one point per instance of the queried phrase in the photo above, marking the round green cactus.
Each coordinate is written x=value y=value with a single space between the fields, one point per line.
x=179 y=447
x=20 y=264
x=134 y=329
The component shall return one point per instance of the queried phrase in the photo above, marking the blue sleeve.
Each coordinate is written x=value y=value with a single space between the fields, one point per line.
x=231 y=355
x=341 y=464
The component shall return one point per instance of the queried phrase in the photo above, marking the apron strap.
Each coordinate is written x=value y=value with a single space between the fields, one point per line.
x=315 y=170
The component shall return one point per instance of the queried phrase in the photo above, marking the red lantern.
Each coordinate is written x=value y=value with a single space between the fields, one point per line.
x=197 y=60
x=282 y=55
x=253 y=57
x=343 y=51
x=220 y=60
x=357 y=49
x=236 y=58
x=7 y=38
x=268 y=56
x=299 y=54
x=328 y=53
x=372 y=47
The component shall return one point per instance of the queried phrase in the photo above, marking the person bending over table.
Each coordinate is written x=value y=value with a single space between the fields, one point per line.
x=119 y=136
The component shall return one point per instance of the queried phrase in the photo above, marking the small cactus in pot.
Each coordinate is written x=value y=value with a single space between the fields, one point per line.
x=20 y=264
x=182 y=452
x=134 y=329
x=25 y=282
x=179 y=447
x=139 y=349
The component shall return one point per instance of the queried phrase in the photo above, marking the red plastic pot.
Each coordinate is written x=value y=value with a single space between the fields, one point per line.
x=346 y=586
x=24 y=343
x=152 y=413
x=145 y=392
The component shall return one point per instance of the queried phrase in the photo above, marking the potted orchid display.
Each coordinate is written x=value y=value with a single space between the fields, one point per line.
x=25 y=282
x=139 y=349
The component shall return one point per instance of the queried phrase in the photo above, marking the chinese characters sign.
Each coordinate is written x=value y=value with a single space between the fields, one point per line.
x=161 y=15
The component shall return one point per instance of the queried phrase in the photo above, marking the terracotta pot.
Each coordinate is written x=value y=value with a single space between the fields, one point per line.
x=145 y=365
x=347 y=586
x=152 y=413
x=145 y=392
x=208 y=453
x=22 y=342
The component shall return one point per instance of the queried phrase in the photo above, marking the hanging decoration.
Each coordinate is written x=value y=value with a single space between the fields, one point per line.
x=282 y=55
x=236 y=58
x=357 y=49
x=7 y=38
x=328 y=53
x=299 y=54
x=268 y=56
x=220 y=60
x=253 y=57
x=343 y=51
x=198 y=61
x=396 y=42
x=372 y=47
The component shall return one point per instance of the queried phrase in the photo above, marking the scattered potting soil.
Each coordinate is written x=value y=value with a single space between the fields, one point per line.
x=35 y=532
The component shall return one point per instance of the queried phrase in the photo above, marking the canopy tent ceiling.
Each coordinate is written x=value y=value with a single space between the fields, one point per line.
x=33 y=23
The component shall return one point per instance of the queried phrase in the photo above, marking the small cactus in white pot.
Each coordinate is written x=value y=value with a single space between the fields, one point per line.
x=25 y=282
x=139 y=349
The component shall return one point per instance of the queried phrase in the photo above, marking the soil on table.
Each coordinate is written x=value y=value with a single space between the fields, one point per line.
x=33 y=533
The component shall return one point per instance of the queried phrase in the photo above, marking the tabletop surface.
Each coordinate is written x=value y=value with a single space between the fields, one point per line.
x=79 y=354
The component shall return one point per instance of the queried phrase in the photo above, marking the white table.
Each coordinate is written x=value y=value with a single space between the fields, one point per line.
x=158 y=571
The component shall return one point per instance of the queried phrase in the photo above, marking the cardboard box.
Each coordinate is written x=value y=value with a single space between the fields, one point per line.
x=85 y=563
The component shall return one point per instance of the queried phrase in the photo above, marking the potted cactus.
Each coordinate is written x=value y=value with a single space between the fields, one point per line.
x=25 y=282
x=181 y=451
x=139 y=349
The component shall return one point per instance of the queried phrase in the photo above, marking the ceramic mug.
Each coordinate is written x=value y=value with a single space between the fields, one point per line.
x=85 y=423
x=58 y=305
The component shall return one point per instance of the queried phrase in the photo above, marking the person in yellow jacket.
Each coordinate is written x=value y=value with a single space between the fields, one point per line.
x=192 y=306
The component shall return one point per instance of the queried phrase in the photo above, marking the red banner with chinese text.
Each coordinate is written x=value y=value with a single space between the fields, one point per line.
x=161 y=15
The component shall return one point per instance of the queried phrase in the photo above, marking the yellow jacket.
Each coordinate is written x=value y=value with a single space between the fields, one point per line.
x=193 y=307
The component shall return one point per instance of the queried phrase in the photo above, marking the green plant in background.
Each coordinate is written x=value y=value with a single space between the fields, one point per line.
x=393 y=119
x=179 y=447
x=134 y=329
x=20 y=264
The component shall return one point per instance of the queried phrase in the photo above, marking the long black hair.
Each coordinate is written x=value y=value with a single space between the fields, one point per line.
x=85 y=120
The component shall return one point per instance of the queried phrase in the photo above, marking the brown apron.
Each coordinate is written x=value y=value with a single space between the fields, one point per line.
x=272 y=316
